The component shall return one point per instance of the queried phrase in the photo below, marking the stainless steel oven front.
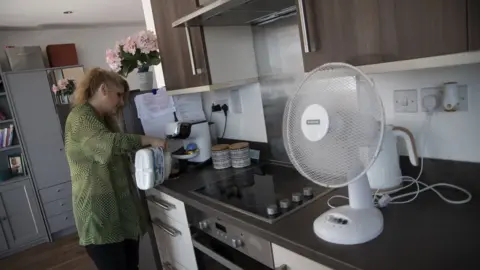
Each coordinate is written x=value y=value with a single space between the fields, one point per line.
x=219 y=245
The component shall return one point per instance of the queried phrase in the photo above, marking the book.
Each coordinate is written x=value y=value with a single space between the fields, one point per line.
x=10 y=135
x=5 y=137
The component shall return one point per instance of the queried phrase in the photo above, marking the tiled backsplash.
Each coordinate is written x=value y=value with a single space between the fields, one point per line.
x=452 y=136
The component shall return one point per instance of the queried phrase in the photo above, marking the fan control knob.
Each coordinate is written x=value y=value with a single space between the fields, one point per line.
x=236 y=243
x=203 y=225
x=284 y=204
x=272 y=210
x=307 y=192
x=297 y=197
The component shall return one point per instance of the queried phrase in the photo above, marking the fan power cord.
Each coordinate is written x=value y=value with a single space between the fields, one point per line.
x=385 y=199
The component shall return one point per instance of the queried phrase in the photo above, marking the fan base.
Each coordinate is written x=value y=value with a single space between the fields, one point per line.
x=348 y=226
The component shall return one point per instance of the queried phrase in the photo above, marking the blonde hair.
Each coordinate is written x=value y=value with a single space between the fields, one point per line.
x=92 y=81
x=90 y=84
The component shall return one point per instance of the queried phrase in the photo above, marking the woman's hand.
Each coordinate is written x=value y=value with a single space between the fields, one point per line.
x=154 y=142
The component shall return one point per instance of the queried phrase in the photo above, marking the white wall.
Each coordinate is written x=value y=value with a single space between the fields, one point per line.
x=452 y=136
x=91 y=42
x=248 y=125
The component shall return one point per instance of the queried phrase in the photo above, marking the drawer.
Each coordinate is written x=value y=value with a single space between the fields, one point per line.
x=173 y=240
x=56 y=192
x=58 y=207
x=60 y=222
x=167 y=205
x=283 y=257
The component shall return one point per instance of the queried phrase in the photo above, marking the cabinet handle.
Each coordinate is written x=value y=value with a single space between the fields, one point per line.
x=303 y=25
x=171 y=231
x=162 y=204
x=282 y=267
x=190 y=50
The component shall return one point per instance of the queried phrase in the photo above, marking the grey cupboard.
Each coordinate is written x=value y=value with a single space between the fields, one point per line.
x=39 y=123
x=20 y=217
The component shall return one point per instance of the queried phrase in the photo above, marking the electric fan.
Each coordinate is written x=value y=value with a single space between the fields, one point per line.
x=333 y=128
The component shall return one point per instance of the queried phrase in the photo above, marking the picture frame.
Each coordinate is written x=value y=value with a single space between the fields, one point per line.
x=15 y=164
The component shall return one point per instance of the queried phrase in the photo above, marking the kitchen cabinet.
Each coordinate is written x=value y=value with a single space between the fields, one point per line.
x=473 y=8
x=183 y=59
x=364 y=32
x=420 y=28
x=20 y=216
x=172 y=232
x=3 y=239
x=200 y=59
x=287 y=260
x=39 y=125
x=339 y=31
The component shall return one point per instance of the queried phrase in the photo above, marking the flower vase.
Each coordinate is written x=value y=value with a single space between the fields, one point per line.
x=145 y=78
x=65 y=99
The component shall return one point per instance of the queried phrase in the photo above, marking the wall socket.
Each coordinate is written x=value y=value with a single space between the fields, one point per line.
x=438 y=92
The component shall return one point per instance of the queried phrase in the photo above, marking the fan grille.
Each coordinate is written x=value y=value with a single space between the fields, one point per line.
x=355 y=132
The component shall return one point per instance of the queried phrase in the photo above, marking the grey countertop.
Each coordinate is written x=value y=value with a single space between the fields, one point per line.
x=425 y=234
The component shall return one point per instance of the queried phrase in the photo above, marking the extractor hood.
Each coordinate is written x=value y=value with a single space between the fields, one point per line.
x=238 y=12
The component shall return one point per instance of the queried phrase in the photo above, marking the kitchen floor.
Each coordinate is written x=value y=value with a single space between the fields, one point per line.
x=65 y=253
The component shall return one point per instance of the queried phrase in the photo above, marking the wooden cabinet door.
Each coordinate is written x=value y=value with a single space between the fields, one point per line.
x=473 y=9
x=340 y=31
x=174 y=47
x=421 y=28
x=40 y=128
x=23 y=222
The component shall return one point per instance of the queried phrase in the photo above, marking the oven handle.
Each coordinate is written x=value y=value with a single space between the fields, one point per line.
x=217 y=257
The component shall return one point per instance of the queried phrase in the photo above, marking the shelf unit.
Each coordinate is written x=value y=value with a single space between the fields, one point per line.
x=16 y=147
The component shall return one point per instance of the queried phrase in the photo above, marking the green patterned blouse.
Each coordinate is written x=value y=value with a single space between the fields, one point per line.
x=106 y=204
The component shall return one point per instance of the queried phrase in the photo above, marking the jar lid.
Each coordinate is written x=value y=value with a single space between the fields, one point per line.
x=220 y=147
x=240 y=145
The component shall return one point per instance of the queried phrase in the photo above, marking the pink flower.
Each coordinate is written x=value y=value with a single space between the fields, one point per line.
x=54 y=89
x=62 y=84
x=113 y=60
x=130 y=45
x=147 y=41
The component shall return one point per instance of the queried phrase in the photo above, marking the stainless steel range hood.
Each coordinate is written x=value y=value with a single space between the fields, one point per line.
x=238 y=12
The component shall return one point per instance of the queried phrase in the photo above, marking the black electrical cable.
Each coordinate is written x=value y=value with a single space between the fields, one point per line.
x=225 y=112
x=225 y=125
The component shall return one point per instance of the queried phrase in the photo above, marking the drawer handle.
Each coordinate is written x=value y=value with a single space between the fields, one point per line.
x=171 y=231
x=162 y=204
x=66 y=218
x=62 y=204
x=282 y=267
x=59 y=189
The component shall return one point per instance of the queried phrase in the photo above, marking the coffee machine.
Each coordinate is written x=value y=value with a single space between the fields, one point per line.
x=197 y=133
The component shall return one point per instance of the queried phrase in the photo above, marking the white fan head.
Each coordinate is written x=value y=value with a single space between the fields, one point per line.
x=333 y=125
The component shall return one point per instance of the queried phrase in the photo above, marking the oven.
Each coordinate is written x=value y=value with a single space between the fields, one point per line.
x=219 y=245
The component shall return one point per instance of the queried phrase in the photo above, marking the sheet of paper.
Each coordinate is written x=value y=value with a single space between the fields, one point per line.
x=155 y=127
x=189 y=107
x=151 y=106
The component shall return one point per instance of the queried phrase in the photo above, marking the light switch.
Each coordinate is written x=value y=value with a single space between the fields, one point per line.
x=405 y=101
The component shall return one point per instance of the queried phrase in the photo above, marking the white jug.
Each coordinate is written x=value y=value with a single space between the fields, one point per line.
x=385 y=175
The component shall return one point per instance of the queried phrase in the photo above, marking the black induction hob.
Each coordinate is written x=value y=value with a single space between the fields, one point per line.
x=267 y=192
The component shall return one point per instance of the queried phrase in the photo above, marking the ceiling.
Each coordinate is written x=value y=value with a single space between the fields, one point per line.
x=45 y=13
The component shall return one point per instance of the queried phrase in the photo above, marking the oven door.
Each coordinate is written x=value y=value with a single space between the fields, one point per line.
x=212 y=254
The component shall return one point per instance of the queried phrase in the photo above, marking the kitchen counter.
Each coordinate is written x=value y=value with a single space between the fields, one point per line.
x=425 y=234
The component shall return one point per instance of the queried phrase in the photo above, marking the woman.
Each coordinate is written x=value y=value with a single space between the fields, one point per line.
x=106 y=206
